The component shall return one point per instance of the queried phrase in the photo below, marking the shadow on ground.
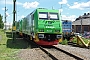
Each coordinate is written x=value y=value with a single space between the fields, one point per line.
x=18 y=43
x=9 y=34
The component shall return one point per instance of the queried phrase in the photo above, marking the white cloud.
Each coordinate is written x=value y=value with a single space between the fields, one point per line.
x=8 y=23
x=88 y=12
x=63 y=2
x=22 y=16
x=10 y=2
x=80 y=6
x=70 y=18
x=28 y=5
x=7 y=14
x=3 y=8
x=18 y=3
x=68 y=5
x=60 y=10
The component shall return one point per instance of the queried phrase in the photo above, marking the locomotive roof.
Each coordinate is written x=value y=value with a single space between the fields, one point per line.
x=47 y=10
x=67 y=20
x=43 y=9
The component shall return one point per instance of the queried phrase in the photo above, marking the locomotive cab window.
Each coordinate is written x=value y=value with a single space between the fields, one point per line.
x=53 y=16
x=43 y=15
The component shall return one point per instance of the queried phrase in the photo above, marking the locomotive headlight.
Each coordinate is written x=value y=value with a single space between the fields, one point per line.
x=41 y=35
x=57 y=30
x=58 y=36
x=41 y=30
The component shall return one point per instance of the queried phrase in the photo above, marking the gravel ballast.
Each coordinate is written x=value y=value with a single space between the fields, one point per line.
x=80 y=52
x=37 y=54
x=32 y=54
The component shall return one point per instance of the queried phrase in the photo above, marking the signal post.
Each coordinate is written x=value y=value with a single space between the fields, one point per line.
x=14 y=27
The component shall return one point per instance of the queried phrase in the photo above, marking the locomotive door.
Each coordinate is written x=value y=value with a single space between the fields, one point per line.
x=32 y=24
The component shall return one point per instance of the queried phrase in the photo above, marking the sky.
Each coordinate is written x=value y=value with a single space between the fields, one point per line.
x=70 y=9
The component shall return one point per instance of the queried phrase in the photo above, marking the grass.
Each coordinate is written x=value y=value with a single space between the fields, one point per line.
x=8 y=48
x=84 y=39
x=65 y=42
x=6 y=53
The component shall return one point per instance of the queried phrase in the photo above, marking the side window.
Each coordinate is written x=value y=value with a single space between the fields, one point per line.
x=86 y=28
x=32 y=22
x=32 y=17
x=78 y=28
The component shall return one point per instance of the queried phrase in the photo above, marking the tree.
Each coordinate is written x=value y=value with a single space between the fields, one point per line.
x=1 y=22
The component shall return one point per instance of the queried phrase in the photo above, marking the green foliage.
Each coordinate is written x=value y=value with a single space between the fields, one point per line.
x=64 y=42
x=74 y=40
x=85 y=40
x=1 y=22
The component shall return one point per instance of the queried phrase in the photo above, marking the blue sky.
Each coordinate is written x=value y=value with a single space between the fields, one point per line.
x=70 y=9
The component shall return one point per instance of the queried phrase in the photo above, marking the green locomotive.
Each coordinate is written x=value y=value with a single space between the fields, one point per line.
x=43 y=26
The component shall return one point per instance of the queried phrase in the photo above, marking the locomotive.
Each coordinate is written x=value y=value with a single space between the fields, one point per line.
x=43 y=26
x=67 y=30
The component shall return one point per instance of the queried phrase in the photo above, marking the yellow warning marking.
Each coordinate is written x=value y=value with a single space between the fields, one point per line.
x=60 y=40
x=36 y=38
x=79 y=39
x=14 y=27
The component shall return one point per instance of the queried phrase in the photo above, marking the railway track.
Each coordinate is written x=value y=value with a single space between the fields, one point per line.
x=58 y=54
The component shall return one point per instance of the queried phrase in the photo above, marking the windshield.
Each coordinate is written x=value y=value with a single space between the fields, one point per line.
x=48 y=16
x=43 y=15
x=53 y=16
